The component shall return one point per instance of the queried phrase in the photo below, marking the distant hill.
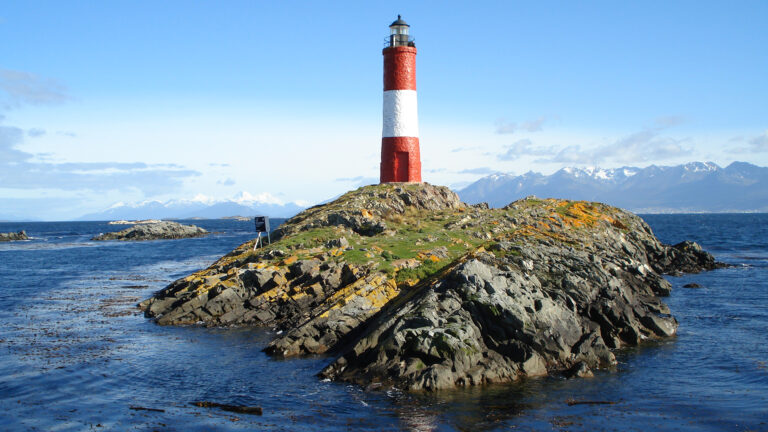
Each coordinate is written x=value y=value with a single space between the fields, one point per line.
x=200 y=207
x=693 y=187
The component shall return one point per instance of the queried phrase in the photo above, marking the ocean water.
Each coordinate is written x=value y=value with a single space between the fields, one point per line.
x=75 y=354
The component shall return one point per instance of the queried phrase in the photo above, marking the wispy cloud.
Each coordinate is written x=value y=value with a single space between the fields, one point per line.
x=9 y=138
x=35 y=132
x=664 y=122
x=647 y=145
x=20 y=88
x=463 y=149
x=504 y=126
x=758 y=144
x=480 y=170
x=226 y=182
x=23 y=170
x=524 y=147
x=436 y=170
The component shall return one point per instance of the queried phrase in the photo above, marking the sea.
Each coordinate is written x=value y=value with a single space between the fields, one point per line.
x=76 y=354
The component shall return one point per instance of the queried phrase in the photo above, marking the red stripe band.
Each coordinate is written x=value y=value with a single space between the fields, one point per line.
x=399 y=68
x=400 y=160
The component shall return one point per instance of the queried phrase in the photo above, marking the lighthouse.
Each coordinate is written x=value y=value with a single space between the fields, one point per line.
x=400 y=158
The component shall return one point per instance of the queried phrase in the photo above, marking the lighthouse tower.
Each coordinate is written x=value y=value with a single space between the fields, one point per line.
x=400 y=158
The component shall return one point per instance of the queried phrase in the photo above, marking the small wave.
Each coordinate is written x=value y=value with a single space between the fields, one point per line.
x=47 y=245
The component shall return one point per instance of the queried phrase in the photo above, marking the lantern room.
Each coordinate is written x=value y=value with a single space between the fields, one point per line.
x=398 y=33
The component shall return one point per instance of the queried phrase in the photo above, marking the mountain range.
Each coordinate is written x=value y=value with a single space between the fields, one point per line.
x=689 y=188
x=243 y=204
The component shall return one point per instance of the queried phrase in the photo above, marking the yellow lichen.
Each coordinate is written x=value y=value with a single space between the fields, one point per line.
x=376 y=289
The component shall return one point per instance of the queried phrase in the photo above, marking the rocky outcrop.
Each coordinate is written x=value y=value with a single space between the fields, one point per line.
x=154 y=231
x=406 y=285
x=684 y=257
x=366 y=212
x=500 y=316
x=13 y=236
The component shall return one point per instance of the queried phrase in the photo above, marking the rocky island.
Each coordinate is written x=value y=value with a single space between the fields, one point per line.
x=13 y=236
x=406 y=285
x=154 y=231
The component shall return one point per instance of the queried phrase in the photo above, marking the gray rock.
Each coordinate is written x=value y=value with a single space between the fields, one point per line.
x=13 y=236
x=338 y=243
x=154 y=231
x=497 y=319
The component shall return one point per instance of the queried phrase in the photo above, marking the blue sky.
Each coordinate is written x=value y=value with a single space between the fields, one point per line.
x=102 y=102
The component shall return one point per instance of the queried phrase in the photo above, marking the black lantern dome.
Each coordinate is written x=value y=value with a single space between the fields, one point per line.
x=398 y=33
x=399 y=22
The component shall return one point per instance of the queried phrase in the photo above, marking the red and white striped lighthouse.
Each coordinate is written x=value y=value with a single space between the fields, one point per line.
x=400 y=158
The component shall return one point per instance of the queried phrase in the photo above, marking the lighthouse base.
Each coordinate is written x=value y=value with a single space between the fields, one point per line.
x=400 y=160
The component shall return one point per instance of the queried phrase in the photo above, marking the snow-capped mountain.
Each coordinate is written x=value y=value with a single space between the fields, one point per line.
x=691 y=187
x=201 y=206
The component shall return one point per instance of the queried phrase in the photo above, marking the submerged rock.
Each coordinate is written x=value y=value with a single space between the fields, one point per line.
x=154 y=231
x=406 y=285
x=13 y=236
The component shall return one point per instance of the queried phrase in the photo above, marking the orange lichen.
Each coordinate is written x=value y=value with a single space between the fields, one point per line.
x=532 y=231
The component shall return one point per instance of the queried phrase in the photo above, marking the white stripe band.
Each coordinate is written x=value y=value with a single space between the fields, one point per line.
x=400 y=114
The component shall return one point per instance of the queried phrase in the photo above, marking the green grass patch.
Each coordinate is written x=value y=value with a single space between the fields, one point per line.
x=421 y=272
x=562 y=210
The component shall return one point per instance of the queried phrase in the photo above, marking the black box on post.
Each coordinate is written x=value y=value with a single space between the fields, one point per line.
x=262 y=224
